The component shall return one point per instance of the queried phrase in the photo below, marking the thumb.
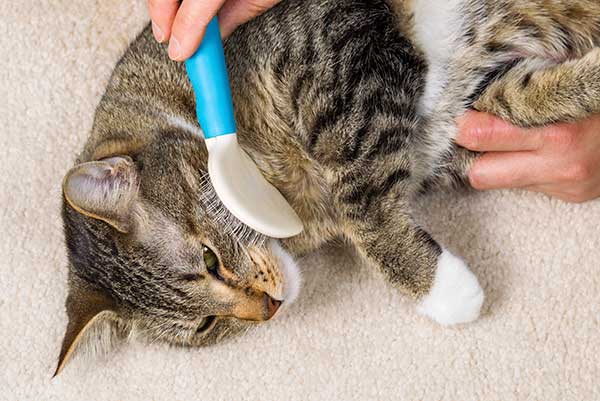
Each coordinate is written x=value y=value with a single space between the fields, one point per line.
x=484 y=132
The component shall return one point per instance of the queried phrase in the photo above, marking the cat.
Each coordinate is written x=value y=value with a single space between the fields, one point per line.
x=348 y=107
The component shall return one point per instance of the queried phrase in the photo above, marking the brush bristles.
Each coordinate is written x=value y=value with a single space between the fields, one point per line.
x=224 y=219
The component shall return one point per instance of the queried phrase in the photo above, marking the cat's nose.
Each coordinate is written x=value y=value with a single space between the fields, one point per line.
x=255 y=306
x=271 y=306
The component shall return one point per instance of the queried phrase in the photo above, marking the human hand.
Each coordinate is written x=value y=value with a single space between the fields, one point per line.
x=561 y=160
x=183 y=23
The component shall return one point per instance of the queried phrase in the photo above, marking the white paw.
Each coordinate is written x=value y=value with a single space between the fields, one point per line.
x=455 y=296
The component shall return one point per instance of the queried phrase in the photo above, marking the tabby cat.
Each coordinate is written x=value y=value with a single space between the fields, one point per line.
x=349 y=108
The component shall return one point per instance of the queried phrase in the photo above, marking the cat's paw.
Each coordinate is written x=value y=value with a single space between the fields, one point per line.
x=455 y=296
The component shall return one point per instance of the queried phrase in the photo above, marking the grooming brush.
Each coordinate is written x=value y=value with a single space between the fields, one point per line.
x=235 y=177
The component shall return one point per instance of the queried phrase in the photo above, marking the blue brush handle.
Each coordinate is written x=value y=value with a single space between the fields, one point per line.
x=208 y=73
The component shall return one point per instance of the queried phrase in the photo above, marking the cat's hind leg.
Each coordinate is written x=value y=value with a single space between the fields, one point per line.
x=535 y=94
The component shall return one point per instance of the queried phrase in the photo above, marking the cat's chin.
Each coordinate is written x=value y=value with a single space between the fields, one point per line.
x=292 y=278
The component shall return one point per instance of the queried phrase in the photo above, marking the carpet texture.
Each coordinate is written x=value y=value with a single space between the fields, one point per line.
x=348 y=337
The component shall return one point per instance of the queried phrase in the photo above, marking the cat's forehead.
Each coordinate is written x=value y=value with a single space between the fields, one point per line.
x=171 y=181
x=204 y=222
x=173 y=239
x=154 y=229
x=179 y=208
x=183 y=191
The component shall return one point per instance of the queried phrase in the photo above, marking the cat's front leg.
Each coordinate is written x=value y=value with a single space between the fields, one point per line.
x=379 y=224
x=441 y=283
x=455 y=295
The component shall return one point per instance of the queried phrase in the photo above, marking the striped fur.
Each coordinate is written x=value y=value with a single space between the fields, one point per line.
x=349 y=108
x=523 y=60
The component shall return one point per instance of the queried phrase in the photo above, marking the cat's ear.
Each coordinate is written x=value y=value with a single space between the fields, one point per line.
x=104 y=190
x=86 y=310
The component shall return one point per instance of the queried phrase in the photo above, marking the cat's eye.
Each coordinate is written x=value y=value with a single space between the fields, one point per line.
x=210 y=259
x=206 y=324
x=192 y=277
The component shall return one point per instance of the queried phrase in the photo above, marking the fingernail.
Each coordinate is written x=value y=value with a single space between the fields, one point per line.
x=461 y=131
x=480 y=176
x=158 y=33
x=174 y=48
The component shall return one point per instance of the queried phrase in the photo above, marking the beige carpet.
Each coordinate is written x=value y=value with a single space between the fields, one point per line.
x=348 y=337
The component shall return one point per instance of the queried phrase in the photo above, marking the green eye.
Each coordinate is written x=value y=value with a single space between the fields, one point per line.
x=210 y=259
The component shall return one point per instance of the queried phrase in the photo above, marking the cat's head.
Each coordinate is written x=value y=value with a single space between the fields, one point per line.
x=152 y=252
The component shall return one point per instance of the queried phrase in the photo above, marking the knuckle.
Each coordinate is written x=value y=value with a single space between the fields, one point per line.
x=475 y=140
x=191 y=21
x=161 y=9
x=155 y=4
x=564 y=137
x=186 y=21
x=578 y=172
x=257 y=7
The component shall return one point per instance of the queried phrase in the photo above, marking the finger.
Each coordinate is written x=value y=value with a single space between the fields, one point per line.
x=484 y=132
x=553 y=192
x=547 y=189
x=572 y=194
x=162 y=14
x=189 y=26
x=497 y=170
x=237 y=12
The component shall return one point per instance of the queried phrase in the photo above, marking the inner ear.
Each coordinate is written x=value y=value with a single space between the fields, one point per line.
x=104 y=190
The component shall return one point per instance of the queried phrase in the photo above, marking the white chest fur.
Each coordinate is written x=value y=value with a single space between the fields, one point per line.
x=437 y=25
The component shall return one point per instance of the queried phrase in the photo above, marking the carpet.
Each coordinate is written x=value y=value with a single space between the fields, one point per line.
x=349 y=336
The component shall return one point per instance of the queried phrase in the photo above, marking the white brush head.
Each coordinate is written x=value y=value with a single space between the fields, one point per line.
x=245 y=192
